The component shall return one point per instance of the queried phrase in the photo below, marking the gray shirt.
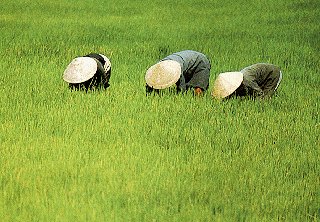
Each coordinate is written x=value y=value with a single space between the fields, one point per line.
x=195 y=68
x=260 y=80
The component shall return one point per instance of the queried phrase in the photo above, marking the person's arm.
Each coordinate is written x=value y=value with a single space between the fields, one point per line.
x=255 y=88
x=106 y=79
x=251 y=84
x=201 y=75
x=150 y=90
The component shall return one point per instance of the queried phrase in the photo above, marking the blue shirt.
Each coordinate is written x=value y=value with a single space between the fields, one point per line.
x=195 y=69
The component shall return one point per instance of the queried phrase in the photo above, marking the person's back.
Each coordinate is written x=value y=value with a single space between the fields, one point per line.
x=261 y=78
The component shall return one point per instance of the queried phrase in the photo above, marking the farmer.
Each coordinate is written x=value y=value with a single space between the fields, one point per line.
x=88 y=72
x=259 y=80
x=186 y=69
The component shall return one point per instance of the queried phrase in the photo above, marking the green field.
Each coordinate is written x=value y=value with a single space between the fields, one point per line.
x=118 y=155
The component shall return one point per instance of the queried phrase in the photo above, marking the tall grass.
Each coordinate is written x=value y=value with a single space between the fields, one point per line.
x=119 y=155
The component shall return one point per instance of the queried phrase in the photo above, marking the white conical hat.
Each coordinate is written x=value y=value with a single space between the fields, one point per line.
x=80 y=70
x=163 y=74
x=226 y=83
x=107 y=64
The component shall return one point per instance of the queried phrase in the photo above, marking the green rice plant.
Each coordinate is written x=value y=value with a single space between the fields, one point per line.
x=119 y=155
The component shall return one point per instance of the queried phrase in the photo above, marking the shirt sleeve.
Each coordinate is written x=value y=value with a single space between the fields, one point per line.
x=201 y=77
x=253 y=88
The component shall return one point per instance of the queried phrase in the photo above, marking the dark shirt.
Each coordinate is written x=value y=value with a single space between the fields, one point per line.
x=101 y=73
x=195 y=68
x=259 y=80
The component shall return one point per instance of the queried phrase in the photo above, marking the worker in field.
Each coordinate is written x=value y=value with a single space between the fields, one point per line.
x=259 y=80
x=88 y=72
x=183 y=70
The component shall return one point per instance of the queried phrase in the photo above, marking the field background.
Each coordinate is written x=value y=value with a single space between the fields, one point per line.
x=118 y=155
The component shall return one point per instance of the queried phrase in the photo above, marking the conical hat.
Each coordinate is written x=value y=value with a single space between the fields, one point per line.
x=226 y=83
x=80 y=70
x=163 y=74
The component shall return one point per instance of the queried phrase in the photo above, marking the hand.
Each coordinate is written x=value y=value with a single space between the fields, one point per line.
x=197 y=91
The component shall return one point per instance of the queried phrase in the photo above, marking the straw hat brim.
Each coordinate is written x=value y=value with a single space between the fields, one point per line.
x=226 y=83
x=80 y=70
x=163 y=74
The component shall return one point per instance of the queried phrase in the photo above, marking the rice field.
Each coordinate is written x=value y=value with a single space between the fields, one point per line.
x=119 y=155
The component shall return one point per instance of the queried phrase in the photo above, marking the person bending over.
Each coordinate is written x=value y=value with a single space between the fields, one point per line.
x=259 y=80
x=185 y=69
x=88 y=72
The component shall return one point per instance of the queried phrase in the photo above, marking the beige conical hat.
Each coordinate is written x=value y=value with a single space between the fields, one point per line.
x=226 y=83
x=163 y=74
x=80 y=70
